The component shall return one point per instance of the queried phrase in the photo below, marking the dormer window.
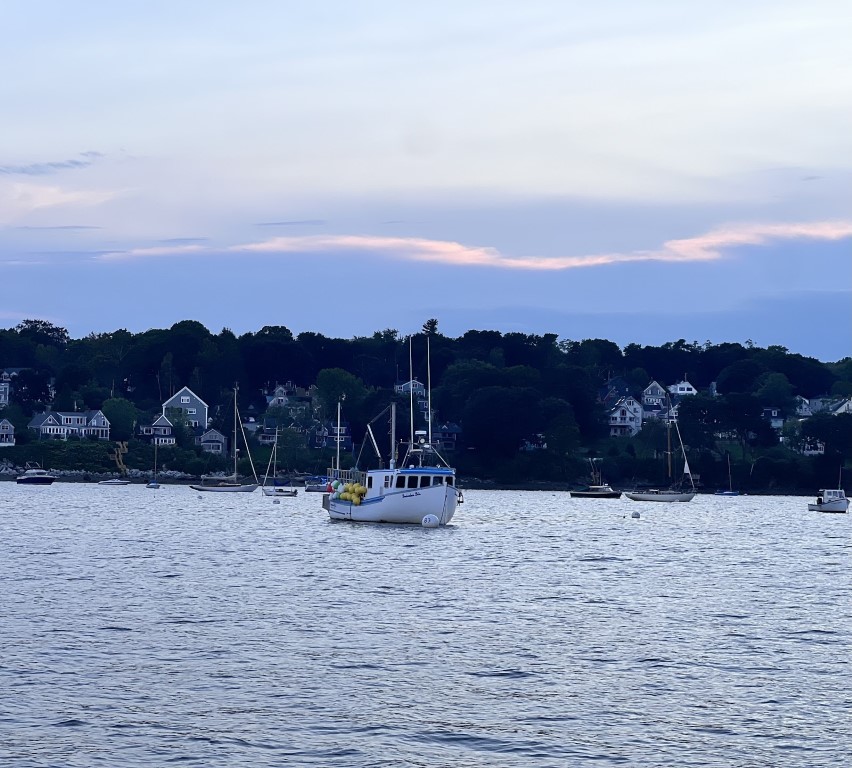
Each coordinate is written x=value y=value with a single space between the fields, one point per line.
x=184 y=399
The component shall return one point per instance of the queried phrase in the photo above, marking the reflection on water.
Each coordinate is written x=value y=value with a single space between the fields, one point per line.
x=145 y=627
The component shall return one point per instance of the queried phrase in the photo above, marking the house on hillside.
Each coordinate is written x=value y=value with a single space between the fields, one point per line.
x=614 y=390
x=775 y=418
x=445 y=436
x=843 y=407
x=60 y=425
x=297 y=401
x=159 y=432
x=653 y=401
x=803 y=407
x=212 y=441
x=7 y=433
x=413 y=386
x=625 y=418
x=188 y=407
x=682 y=389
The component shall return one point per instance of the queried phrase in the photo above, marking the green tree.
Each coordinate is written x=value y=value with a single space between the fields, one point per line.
x=334 y=384
x=122 y=416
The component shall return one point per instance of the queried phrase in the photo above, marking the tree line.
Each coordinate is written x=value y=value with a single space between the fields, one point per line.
x=512 y=394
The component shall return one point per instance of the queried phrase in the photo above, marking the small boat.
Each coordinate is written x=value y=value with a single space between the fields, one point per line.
x=656 y=494
x=730 y=491
x=598 y=489
x=230 y=483
x=317 y=484
x=114 y=481
x=35 y=475
x=668 y=494
x=831 y=499
x=275 y=489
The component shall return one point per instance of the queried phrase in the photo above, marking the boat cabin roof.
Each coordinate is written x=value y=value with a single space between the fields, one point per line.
x=412 y=471
x=832 y=493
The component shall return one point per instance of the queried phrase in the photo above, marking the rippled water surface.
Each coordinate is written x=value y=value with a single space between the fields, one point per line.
x=146 y=627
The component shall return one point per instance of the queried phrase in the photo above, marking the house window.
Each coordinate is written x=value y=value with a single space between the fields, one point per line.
x=184 y=399
x=191 y=411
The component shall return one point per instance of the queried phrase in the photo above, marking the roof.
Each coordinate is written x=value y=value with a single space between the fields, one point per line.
x=180 y=392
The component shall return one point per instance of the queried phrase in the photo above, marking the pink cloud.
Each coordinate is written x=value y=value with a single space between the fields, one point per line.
x=709 y=246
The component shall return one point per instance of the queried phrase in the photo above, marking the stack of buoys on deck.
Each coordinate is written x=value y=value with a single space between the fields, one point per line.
x=351 y=492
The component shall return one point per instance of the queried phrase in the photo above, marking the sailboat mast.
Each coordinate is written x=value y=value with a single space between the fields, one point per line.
x=235 y=430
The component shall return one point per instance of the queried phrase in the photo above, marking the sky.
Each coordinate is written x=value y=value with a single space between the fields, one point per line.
x=642 y=172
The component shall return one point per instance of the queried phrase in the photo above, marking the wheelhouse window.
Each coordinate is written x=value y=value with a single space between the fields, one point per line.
x=425 y=481
x=412 y=481
x=400 y=481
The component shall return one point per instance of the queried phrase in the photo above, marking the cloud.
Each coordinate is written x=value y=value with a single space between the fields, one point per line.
x=154 y=251
x=43 y=169
x=63 y=227
x=19 y=199
x=710 y=246
x=295 y=223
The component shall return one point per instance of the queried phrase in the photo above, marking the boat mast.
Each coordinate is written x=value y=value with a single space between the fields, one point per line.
x=410 y=394
x=337 y=436
x=393 y=437
x=429 y=388
x=236 y=388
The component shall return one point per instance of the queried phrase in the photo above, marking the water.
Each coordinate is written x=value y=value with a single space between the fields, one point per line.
x=144 y=628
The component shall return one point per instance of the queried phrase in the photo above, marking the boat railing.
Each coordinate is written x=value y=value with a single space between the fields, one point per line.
x=346 y=475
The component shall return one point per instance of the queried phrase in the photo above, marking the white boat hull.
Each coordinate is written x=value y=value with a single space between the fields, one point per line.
x=835 y=505
x=280 y=492
x=225 y=488
x=398 y=506
x=660 y=495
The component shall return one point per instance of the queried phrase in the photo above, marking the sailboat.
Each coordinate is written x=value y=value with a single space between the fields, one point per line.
x=231 y=484
x=730 y=491
x=154 y=482
x=672 y=493
x=420 y=491
x=275 y=490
